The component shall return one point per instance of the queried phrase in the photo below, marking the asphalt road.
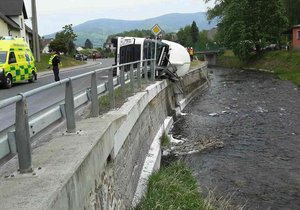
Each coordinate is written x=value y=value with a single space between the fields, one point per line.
x=52 y=96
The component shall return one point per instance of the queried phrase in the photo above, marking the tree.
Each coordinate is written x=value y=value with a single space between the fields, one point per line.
x=203 y=40
x=88 y=44
x=246 y=25
x=64 y=41
x=292 y=8
x=184 y=36
x=194 y=32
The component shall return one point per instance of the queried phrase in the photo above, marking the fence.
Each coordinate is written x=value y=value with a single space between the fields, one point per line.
x=19 y=137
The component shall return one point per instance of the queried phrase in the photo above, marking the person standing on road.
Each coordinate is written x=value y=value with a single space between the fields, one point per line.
x=55 y=61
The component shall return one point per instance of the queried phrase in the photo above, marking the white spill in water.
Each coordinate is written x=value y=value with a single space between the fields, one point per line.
x=213 y=114
x=183 y=113
x=176 y=141
x=282 y=109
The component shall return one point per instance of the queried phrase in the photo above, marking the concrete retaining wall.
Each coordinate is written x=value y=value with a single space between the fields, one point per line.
x=97 y=168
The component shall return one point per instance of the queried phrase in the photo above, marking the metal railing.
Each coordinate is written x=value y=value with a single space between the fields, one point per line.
x=20 y=138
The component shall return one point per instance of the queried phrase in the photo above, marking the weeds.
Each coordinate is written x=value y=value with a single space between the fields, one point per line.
x=173 y=187
x=165 y=140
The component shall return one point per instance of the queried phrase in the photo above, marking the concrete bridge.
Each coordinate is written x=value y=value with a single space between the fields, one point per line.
x=106 y=162
x=210 y=56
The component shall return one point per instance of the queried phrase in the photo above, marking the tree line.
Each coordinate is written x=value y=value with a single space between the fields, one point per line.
x=247 y=26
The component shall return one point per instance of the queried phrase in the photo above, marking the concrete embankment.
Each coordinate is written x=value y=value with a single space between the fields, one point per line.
x=100 y=166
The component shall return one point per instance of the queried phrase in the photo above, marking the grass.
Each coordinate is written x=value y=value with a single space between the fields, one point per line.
x=285 y=64
x=66 y=61
x=195 y=63
x=164 y=140
x=104 y=101
x=173 y=187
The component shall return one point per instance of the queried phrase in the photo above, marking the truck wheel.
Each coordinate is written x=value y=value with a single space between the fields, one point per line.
x=8 y=82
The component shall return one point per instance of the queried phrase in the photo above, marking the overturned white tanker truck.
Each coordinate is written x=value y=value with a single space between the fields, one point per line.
x=171 y=58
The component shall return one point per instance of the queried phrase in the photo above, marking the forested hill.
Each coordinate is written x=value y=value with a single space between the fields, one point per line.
x=98 y=30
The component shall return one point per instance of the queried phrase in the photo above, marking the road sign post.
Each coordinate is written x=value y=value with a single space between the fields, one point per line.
x=155 y=30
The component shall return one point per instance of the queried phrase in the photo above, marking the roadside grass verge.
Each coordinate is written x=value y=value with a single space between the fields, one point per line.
x=284 y=64
x=173 y=187
x=66 y=61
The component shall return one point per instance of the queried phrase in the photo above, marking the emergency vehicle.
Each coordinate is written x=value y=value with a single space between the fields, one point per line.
x=16 y=62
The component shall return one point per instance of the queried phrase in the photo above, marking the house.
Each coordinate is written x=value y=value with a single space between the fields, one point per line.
x=45 y=45
x=296 y=37
x=29 y=36
x=78 y=49
x=12 y=20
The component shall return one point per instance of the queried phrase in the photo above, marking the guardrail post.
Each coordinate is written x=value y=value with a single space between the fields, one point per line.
x=131 y=79
x=152 y=70
x=122 y=82
x=111 y=93
x=23 y=137
x=94 y=96
x=69 y=107
x=145 y=70
x=138 y=72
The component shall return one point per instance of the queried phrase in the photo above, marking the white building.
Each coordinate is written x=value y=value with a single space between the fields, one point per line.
x=12 y=20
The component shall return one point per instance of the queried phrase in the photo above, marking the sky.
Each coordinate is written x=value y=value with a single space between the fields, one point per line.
x=53 y=15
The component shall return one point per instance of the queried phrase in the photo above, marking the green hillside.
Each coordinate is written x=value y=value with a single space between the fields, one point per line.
x=98 y=30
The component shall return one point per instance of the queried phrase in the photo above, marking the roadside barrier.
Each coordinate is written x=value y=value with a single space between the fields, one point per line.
x=17 y=139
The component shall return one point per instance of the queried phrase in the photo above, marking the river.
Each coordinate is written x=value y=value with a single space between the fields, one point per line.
x=241 y=138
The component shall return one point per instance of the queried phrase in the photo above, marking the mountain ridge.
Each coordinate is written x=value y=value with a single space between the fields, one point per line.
x=98 y=30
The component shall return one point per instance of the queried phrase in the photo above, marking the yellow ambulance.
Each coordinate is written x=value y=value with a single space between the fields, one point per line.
x=16 y=62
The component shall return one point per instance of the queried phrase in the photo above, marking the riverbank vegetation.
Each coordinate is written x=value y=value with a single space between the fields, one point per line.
x=285 y=64
x=173 y=187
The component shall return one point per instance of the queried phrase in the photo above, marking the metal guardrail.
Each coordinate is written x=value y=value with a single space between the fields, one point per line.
x=19 y=140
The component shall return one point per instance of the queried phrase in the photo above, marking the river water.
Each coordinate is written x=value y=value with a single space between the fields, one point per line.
x=251 y=123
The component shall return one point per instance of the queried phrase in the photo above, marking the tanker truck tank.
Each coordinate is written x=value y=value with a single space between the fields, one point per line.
x=179 y=57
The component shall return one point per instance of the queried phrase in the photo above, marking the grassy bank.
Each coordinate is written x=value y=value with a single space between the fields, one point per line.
x=65 y=60
x=284 y=64
x=195 y=64
x=173 y=187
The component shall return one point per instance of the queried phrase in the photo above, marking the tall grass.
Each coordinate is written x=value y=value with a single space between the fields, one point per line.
x=173 y=187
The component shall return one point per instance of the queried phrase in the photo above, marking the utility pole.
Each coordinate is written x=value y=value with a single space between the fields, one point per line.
x=36 y=42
